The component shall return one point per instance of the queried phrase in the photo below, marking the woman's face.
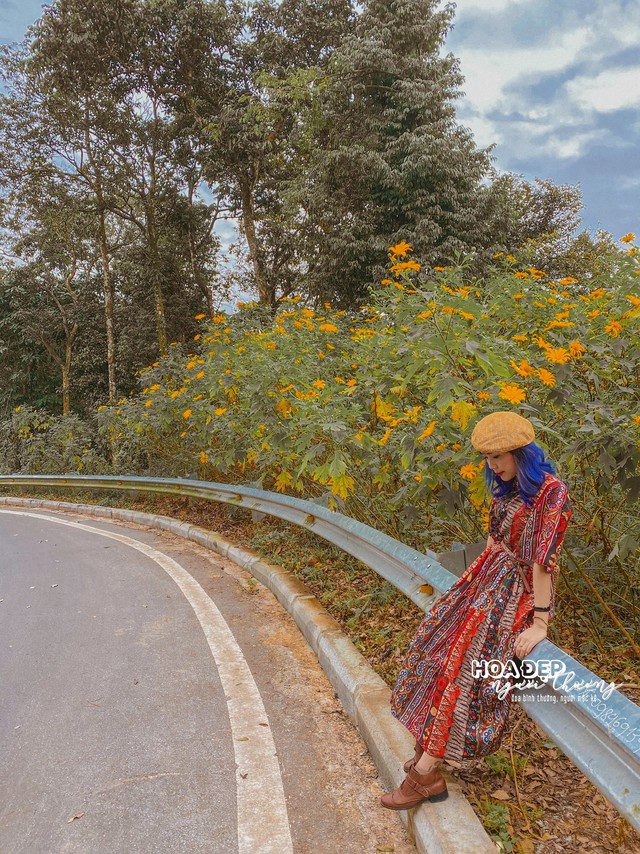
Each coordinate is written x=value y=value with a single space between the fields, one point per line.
x=504 y=465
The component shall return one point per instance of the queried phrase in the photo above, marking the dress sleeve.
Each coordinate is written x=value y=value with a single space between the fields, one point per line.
x=551 y=526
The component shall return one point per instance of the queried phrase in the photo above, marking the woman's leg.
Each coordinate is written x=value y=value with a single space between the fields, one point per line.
x=427 y=762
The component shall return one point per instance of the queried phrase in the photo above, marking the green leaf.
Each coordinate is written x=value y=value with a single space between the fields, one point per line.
x=405 y=459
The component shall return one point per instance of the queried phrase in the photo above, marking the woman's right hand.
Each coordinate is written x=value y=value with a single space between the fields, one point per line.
x=528 y=639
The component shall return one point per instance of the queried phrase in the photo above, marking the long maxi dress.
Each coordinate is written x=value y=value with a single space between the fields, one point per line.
x=451 y=713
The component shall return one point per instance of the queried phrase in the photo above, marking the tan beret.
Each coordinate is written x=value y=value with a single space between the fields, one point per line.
x=500 y=432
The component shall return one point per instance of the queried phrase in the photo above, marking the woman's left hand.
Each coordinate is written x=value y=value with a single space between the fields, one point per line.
x=527 y=639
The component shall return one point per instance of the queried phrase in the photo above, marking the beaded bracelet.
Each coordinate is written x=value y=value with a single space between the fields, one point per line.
x=542 y=621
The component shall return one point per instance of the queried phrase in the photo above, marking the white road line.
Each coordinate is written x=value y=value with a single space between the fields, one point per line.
x=263 y=824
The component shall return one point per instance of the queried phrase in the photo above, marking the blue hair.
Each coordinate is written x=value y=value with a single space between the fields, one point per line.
x=531 y=467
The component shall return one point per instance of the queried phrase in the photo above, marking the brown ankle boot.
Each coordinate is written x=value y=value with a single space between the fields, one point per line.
x=415 y=789
x=411 y=762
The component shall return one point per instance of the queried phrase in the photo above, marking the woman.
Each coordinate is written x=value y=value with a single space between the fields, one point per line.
x=499 y=609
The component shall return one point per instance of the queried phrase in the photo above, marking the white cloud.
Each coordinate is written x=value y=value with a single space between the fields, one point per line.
x=488 y=72
x=572 y=147
x=485 y=132
x=521 y=140
x=614 y=89
x=463 y=6
x=500 y=104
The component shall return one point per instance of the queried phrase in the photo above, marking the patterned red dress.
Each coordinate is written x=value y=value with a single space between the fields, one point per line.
x=448 y=711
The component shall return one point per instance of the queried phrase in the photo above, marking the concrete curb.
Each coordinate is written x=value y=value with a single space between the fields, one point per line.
x=449 y=827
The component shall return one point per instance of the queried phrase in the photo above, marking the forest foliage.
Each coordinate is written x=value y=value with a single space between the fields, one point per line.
x=133 y=133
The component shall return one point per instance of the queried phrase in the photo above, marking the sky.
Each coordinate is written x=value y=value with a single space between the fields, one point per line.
x=555 y=84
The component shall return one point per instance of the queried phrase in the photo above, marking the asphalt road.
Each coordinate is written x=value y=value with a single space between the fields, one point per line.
x=154 y=698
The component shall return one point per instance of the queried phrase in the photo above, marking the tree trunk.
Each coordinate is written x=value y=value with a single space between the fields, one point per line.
x=66 y=382
x=107 y=285
x=265 y=292
x=95 y=183
x=161 y=325
x=150 y=216
x=198 y=277
x=66 y=369
x=156 y=282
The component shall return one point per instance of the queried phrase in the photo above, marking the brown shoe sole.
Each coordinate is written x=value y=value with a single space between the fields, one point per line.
x=441 y=796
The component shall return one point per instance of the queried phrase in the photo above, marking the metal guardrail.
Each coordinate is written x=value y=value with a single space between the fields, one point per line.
x=406 y=568
x=601 y=735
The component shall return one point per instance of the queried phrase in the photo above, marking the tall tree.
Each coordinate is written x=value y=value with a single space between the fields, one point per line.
x=46 y=132
x=389 y=161
x=542 y=230
x=44 y=289
x=245 y=95
x=103 y=69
